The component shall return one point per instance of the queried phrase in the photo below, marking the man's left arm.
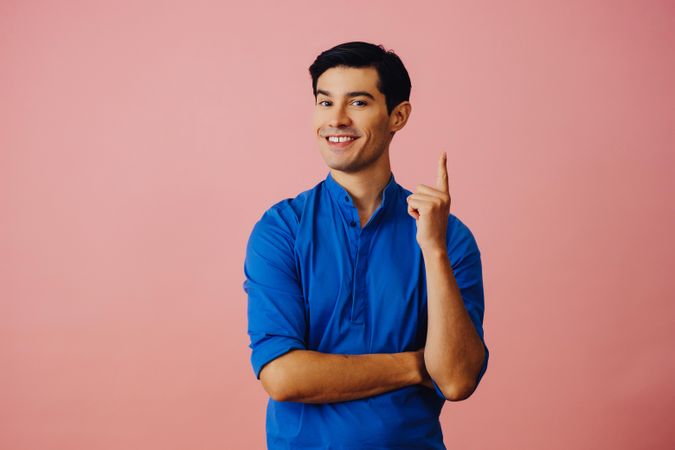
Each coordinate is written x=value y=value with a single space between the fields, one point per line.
x=455 y=354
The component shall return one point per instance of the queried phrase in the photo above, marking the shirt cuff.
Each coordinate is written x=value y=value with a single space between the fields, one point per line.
x=272 y=348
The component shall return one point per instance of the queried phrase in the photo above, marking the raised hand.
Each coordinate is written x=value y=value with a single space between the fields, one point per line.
x=430 y=207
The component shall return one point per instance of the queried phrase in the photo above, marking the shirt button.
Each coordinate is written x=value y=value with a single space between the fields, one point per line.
x=352 y=223
x=346 y=198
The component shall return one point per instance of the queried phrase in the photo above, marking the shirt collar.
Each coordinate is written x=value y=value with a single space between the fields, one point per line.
x=342 y=197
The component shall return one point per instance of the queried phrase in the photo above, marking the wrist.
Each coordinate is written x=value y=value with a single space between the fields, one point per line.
x=434 y=251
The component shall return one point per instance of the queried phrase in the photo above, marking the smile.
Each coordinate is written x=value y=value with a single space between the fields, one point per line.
x=341 y=138
x=340 y=142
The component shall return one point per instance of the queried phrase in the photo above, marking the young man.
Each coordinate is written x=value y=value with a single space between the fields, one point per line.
x=365 y=300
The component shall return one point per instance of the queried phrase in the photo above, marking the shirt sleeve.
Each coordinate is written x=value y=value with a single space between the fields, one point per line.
x=276 y=312
x=467 y=267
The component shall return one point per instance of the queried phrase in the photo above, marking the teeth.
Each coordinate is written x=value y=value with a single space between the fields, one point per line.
x=340 y=139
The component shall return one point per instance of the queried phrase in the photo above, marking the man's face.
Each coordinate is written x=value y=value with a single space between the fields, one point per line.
x=348 y=103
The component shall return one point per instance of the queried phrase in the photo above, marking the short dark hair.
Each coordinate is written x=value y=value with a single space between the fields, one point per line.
x=393 y=83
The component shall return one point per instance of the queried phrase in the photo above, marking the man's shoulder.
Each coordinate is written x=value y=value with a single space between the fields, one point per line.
x=461 y=241
x=293 y=206
x=287 y=213
x=457 y=226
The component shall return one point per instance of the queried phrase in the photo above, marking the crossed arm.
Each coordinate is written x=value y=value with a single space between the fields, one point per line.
x=276 y=320
x=313 y=377
x=456 y=357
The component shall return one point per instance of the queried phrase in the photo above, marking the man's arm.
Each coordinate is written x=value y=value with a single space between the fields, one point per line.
x=455 y=351
x=278 y=327
x=313 y=377
x=456 y=355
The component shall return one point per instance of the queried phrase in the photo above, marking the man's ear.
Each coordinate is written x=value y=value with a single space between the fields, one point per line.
x=399 y=116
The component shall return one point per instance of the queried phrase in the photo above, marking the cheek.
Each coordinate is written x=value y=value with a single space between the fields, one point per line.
x=317 y=120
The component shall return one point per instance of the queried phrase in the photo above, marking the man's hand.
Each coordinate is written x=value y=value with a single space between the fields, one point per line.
x=430 y=208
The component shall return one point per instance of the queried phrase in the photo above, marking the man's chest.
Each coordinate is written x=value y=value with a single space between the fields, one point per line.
x=363 y=293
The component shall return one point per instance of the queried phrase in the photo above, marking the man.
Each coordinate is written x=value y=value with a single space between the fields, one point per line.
x=365 y=300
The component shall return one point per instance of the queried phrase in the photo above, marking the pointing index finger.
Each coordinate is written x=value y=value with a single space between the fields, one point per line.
x=442 y=178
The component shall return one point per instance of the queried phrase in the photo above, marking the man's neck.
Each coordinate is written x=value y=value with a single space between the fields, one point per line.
x=365 y=188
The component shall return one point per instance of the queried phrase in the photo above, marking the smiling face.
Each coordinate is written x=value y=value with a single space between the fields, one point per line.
x=349 y=104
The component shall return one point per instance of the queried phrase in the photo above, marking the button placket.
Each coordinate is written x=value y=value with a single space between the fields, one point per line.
x=359 y=288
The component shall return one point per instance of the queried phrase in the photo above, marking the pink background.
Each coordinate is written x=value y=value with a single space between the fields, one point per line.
x=140 y=141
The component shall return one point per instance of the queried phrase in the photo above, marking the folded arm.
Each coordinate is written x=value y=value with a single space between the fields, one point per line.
x=278 y=328
x=313 y=377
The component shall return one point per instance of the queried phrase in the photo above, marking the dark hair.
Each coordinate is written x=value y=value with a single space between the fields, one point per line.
x=393 y=82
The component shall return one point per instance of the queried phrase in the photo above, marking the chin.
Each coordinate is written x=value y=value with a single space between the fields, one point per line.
x=343 y=167
x=347 y=167
x=332 y=163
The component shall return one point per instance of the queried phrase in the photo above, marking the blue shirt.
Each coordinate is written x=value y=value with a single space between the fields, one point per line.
x=317 y=280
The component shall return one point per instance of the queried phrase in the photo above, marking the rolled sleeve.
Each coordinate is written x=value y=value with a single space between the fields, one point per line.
x=275 y=310
x=467 y=267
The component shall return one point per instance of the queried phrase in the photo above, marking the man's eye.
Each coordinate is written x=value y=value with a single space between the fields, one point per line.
x=326 y=101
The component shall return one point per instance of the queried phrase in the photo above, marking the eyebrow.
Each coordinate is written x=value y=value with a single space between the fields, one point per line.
x=349 y=94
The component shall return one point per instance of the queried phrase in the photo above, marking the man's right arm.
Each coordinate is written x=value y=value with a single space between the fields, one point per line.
x=313 y=377
x=277 y=326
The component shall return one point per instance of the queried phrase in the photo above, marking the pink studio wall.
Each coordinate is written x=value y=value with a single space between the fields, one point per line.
x=140 y=141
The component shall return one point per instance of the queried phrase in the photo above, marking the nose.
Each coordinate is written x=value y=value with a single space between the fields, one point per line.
x=339 y=117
